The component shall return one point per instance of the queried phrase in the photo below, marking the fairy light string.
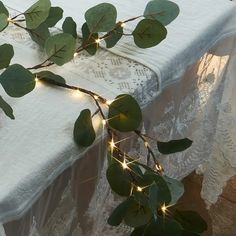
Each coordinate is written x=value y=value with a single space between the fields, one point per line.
x=98 y=99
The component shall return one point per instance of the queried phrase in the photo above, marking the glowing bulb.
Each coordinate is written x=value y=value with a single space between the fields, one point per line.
x=98 y=41
x=112 y=144
x=36 y=79
x=77 y=94
x=159 y=167
x=108 y=102
x=139 y=189
x=164 y=208
x=95 y=97
x=104 y=122
x=146 y=144
x=76 y=54
x=122 y=25
x=124 y=165
x=9 y=19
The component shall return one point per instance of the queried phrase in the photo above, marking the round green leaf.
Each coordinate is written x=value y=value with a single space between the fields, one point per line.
x=3 y=9
x=114 y=36
x=69 y=26
x=141 y=197
x=158 y=195
x=88 y=40
x=174 y=146
x=101 y=18
x=188 y=233
x=37 y=13
x=55 y=14
x=191 y=221
x=176 y=189
x=119 y=179
x=124 y=113
x=118 y=214
x=17 y=81
x=163 y=227
x=48 y=75
x=3 y=21
x=149 y=33
x=6 y=108
x=84 y=133
x=138 y=231
x=6 y=54
x=60 y=48
x=137 y=215
x=162 y=10
x=40 y=34
x=159 y=192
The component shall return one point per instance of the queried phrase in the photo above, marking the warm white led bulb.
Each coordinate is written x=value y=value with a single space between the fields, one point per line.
x=112 y=144
x=124 y=165
x=122 y=25
x=163 y=209
x=108 y=102
x=139 y=189
x=104 y=122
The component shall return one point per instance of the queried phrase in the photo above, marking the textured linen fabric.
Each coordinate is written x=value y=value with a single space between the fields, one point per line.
x=198 y=27
x=38 y=146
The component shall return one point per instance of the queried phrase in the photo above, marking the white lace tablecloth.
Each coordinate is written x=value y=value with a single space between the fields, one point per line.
x=78 y=202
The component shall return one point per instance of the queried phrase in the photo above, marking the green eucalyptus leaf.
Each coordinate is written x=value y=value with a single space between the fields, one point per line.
x=148 y=33
x=188 y=233
x=17 y=81
x=101 y=18
x=163 y=227
x=141 y=197
x=84 y=133
x=6 y=108
x=40 y=34
x=60 y=48
x=191 y=221
x=176 y=189
x=69 y=26
x=114 y=36
x=3 y=21
x=159 y=193
x=55 y=14
x=124 y=113
x=162 y=10
x=119 y=212
x=37 y=13
x=119 y=179
x=48 y=75
x=88 y=40
x=137 y=215
x=3 y=9
x=139 y=231
x=174 y=146
x=154 y=202
x=6 y=54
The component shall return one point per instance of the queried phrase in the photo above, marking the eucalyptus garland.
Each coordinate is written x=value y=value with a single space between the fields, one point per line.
x=149 y=196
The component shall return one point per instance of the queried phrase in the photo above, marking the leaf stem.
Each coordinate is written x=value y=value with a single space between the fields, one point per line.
x=97 y=98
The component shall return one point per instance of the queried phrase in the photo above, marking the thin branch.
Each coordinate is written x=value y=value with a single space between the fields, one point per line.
x=20 y=14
